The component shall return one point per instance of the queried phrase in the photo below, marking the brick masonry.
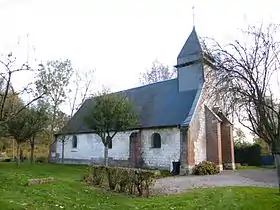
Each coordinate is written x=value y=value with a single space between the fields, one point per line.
x=213 y=137
x=227 y=146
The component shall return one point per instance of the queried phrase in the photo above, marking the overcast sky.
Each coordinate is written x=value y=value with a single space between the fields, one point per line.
x=120 y=38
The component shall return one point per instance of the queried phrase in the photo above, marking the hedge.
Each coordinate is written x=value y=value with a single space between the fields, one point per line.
x=248 y=154
x=120 y=179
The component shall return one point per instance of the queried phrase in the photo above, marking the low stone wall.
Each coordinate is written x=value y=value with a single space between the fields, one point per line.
x=112 y=162
x=100 y=161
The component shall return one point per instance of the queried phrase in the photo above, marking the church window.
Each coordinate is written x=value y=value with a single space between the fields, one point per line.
x=74 y=141
x=156 y=140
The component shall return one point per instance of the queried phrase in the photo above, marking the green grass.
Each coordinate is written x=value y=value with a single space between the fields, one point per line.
x=256 y=167
x=68 y=192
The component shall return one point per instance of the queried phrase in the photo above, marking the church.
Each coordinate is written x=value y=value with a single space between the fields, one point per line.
x=178 y=121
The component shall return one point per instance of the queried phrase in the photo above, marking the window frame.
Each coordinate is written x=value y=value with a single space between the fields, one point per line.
x=74 y=142
x=156 y=140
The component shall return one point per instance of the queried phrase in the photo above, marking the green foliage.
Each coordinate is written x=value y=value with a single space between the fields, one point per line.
x=27 y=124
x=125 y=180
x=53 y=80
x=19 y=127
x=265 y=148
x=249 y=154
x=239 y=137
x=109 y=114
x=41 y=159
x=206 y=168
x=37 y=119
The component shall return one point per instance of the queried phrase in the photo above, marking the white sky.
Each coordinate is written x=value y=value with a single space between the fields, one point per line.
x=120 y=38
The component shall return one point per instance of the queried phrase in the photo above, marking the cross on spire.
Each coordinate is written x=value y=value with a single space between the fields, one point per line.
x=193 y=15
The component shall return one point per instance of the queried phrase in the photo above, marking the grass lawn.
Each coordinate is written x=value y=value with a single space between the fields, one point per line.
x=256 y=167
x=67 y=192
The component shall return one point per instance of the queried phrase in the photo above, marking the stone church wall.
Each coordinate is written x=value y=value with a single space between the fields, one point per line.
x=90 y=149
x=170 y=147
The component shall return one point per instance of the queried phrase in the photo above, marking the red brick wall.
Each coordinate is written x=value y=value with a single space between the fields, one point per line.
x=213 y=138
x=227 y=144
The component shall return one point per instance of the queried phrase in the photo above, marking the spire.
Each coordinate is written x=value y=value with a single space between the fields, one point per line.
x=191 y=50
x=193 y=15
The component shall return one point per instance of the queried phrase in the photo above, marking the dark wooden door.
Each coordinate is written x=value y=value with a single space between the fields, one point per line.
x=134 y=150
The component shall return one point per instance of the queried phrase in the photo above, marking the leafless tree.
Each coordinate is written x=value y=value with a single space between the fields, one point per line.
x=158 y=72
x=8 y=95
x=80 y=91
x=244 y=73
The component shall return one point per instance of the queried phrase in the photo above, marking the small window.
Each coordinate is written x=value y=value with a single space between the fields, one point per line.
x=110 y=142
x=156 y=140
x=74 y=141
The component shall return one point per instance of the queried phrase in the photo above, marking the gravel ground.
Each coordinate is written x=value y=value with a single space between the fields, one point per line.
x=179 y=184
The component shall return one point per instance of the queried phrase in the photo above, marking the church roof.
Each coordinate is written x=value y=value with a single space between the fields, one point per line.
x=157 y=105
x=191 y=50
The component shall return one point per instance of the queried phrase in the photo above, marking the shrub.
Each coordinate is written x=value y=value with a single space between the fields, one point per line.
x=120 y=179
x=206 y=168
x=41 y=159
x=238 y=165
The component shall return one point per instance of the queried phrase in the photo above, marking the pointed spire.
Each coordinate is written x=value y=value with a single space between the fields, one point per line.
x=191 y=50
x=193 y=15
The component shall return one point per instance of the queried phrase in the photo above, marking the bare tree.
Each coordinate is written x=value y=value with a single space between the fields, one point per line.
x=7 y=91
x=158 y=72
x=80 y=89
x=244 y=74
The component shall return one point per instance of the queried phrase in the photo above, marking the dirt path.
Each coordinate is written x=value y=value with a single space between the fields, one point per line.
x=178 y=184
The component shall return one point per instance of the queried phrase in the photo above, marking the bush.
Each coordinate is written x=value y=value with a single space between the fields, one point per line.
x=41 y=159
x=206 y=168
x=125 y=180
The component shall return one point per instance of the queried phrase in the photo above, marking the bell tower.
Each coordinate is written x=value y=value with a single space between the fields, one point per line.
x=190 y=64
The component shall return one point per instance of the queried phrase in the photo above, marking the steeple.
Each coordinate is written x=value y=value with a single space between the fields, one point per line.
x=190 y=70
x=191 y=50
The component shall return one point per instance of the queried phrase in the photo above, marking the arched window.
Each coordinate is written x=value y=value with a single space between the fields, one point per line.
x=156 y=140
x=74 y=141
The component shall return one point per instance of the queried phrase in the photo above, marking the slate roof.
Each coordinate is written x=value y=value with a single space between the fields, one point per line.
x=191 y=50
x=157 y=105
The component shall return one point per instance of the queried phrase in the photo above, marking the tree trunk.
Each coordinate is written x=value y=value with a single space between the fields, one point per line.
x=62 y=156
x=21 y=155
x=18 y=159
x=17 y=150
x=32 y=151
x=106 y=155
x=277 y=161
